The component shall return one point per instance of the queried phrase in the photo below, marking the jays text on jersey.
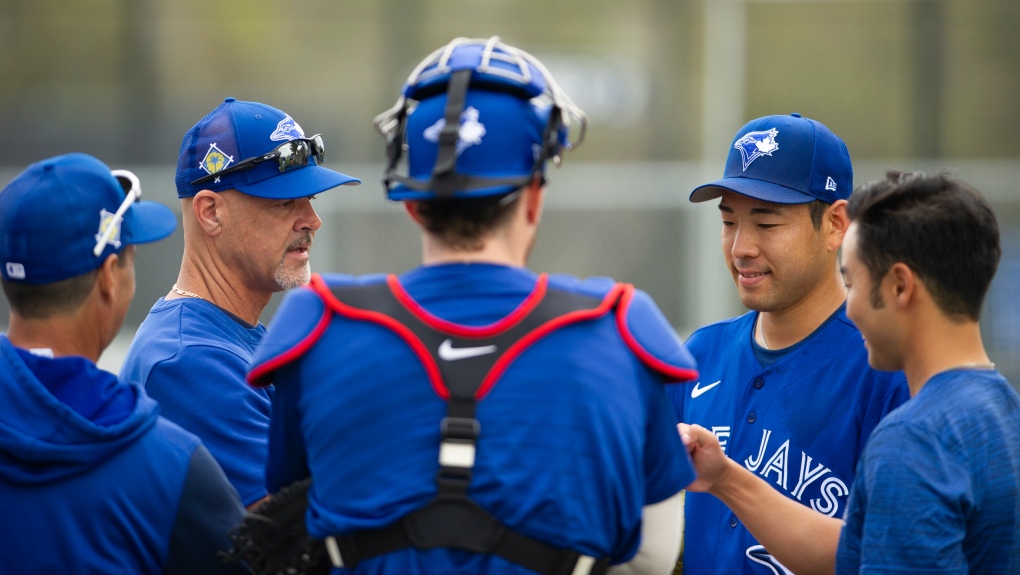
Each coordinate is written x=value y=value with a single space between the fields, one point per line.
x=576 y=435
x=938 y=490
x=800 y=423
x=192 y=356
x=92 y=480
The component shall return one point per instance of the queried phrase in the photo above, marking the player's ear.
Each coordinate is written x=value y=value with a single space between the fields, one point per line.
x=106 y=278
x=412 y=212
x=207 y=208
x=838 y=221
x=904 y=284
x=534 y=200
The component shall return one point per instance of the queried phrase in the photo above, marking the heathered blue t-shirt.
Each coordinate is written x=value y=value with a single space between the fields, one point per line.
x=938 y=490
x=191 y=356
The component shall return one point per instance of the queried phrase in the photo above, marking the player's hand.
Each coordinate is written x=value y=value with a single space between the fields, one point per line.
x=710 y=461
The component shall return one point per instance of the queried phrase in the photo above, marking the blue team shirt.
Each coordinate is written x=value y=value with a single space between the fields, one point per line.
x=939 y=485
x=92 y=480
x=800 y=423
x=577 y=435
x=191 y=356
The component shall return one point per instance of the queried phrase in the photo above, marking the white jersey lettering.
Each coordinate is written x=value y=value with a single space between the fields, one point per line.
x=832 y=488
x=754 y=463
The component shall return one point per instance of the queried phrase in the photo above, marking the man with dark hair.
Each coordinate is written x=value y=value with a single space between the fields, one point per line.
x=786 y=386
x=471 y=416
x=92 y=480
x=246 y=176
x=937 y=489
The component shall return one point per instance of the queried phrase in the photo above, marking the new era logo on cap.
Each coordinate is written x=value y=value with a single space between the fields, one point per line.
x=15 y=271
x=784 y=160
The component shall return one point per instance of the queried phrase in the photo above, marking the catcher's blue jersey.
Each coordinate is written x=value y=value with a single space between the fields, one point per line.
x=938 y=490
x=800 y=424
x=577 y=435
x=191 y=356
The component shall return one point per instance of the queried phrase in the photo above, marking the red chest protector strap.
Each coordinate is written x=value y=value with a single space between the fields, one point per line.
x=463 y=363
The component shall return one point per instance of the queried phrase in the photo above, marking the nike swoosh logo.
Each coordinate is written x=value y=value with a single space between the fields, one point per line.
x=699 y=390
x=450 y=353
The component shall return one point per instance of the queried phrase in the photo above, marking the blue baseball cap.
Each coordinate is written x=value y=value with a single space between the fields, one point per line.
x=54 y=213
x=500 y=137
x=784 y=160
x=237 y=131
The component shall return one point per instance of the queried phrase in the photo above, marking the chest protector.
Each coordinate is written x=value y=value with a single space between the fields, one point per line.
x=463 y=363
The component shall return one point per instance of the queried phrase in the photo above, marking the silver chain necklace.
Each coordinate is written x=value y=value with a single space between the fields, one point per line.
x=179 y=291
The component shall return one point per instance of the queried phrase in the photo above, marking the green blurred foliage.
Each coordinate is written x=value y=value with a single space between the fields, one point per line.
x=124 y=79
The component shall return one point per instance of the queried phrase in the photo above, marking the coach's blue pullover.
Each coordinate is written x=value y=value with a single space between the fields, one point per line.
x=92 y=480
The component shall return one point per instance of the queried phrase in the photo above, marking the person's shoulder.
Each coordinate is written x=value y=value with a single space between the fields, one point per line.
x=343 y=280
x=175 y=437
x=204 y=325
x=595 y=286
x=723 y=331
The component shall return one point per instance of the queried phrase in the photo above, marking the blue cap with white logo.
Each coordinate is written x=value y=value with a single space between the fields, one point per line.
x=784 y=160
x=63 y=216
x=255 y=149
x=498 y=137
x=476 y=118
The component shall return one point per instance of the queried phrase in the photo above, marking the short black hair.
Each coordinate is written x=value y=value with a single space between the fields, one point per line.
x=40 y=301
x=817 y=210
x=464 y=223
x=939 y=226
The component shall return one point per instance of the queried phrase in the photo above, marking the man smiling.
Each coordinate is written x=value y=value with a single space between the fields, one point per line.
x=936 y=488
x=245 y=176
x=786 y=387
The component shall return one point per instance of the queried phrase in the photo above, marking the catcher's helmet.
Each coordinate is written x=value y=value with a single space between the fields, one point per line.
x=477 y=118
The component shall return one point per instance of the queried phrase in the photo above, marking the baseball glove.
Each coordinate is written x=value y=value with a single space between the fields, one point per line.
x=272 y=539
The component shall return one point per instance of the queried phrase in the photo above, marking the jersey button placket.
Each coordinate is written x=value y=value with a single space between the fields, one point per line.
x=759 y=383
x=751 y=417
x=733 y=522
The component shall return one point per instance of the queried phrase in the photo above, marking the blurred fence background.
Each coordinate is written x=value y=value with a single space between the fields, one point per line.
x=908 y=84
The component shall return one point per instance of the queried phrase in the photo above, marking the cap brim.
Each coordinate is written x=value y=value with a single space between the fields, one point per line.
x=758 y=189
x=300 y=183
x=150 y=221
x=402 y=193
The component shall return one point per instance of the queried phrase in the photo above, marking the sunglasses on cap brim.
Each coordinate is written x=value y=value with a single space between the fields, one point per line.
x=288 y=154
x=133 y=192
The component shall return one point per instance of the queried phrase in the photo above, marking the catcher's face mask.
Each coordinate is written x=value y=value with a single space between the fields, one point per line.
x=477 y=118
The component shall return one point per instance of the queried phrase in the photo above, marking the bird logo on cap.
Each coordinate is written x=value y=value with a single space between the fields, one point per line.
x=287 y=130
x=757 y=144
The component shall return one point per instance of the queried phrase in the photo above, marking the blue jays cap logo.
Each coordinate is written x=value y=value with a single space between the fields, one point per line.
x=287 y=130
x=215 y=160
x=757 y=144
x=107 y=220
x=471 y=130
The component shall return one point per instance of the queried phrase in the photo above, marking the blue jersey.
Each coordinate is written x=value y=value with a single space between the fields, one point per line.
x=799 y=423
x=938 y=490
x=93 y=481
x=191 y=356
x=577 y=434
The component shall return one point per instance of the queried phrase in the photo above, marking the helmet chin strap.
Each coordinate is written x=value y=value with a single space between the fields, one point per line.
x=444 y=174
